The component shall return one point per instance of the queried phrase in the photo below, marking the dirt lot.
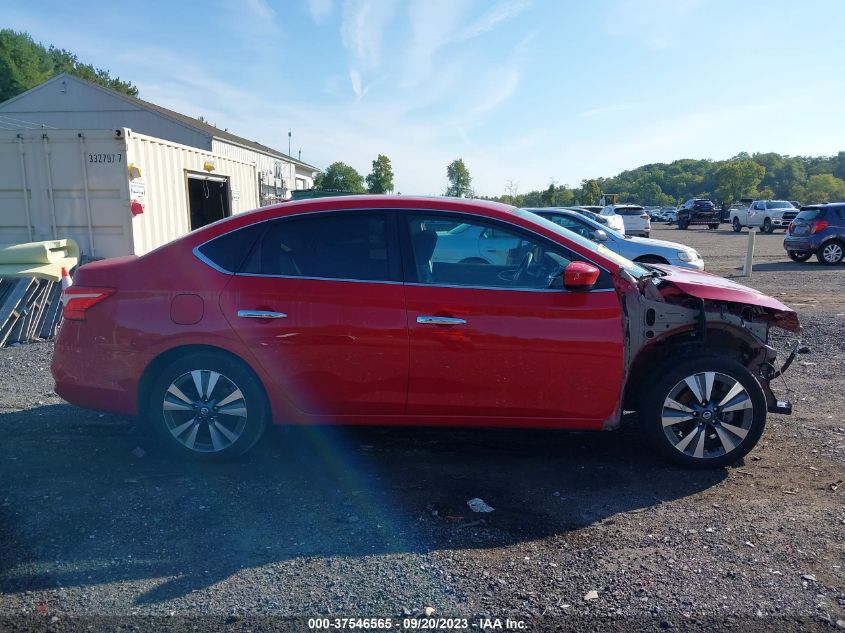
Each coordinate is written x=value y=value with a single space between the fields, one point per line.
x=374 y=523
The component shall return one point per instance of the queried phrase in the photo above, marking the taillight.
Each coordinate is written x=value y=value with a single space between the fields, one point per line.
x=817 y=226
x=79 y=299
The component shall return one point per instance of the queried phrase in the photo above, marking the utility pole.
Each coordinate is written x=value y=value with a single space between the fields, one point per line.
x=289 y=134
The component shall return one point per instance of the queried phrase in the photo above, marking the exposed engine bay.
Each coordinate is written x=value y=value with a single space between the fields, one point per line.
x=665 y=319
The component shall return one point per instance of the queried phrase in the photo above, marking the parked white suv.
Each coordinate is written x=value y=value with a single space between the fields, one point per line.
x=767 y=215
x=634 y=219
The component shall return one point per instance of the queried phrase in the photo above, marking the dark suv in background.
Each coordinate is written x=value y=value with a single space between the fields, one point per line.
x=698 y=211
x=818 y=229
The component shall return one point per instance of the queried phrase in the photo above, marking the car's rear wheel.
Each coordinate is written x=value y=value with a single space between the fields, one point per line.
x=208 y=407
x=706 y=412
x=831 y=253
x=683 y=224
x=799 y=256
x=736 y=226
x=712 y=226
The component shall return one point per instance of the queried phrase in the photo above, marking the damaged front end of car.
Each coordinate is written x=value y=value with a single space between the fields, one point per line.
x=670 y=314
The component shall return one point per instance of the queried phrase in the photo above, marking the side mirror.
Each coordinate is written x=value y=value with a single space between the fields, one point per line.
x=580 y=276
x=599 y=235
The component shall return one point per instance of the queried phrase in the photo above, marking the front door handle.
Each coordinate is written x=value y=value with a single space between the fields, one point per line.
x=440 y=320
x=261 y=314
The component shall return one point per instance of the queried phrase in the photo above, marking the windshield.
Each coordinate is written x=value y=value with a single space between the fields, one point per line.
x=780 y=204
x=635 y=270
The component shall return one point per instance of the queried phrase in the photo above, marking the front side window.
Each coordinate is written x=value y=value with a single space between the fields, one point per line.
x=328 y=246
x=483 y=254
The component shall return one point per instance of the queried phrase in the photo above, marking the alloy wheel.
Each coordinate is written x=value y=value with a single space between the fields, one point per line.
x=205 y=411
x=832 y=252
x=707 y=415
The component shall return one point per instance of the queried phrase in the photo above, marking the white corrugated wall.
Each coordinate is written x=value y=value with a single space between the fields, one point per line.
x=162 y=187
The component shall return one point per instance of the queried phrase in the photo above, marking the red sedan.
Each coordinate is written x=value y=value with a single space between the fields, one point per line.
x=374 y=310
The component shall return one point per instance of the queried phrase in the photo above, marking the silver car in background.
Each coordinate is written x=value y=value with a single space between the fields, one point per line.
x=638 y=249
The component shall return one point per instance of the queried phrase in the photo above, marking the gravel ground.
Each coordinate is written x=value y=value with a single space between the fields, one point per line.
x=374 y=522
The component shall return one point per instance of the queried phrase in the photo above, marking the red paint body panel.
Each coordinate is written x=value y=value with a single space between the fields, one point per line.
x=343 y=348
x=537 y=354
x=353 y=352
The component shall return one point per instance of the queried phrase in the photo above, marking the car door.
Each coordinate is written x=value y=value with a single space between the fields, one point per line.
x=320 y=304
x=494 y=342
x=755 y=214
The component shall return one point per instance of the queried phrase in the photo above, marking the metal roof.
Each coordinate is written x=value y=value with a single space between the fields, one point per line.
x=183 y=119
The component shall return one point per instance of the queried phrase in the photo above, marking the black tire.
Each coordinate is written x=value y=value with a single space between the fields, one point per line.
x=736 y=226
x=712 y=226
x=474 y=260
x=767 y=227
x=651 y=259
x=799 y=256
x=683 y=224
x=747 y=420
x=647 y=234
x=233 y=433
x=831 y=252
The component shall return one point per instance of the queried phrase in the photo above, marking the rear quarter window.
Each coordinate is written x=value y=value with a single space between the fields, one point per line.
x=229 y=251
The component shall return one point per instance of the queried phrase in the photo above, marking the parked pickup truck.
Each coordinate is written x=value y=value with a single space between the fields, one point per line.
x=698 y=211
x=767 y=215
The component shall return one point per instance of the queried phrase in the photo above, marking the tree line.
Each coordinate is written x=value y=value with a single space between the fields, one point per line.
x=25 y=63
x=807 y=179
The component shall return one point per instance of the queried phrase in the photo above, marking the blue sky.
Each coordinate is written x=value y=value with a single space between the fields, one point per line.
x=527 y=91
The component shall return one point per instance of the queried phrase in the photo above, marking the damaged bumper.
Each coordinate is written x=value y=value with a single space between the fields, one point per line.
x=775 y=405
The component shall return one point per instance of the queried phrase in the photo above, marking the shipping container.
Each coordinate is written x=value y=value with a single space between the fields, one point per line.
x=115 y=192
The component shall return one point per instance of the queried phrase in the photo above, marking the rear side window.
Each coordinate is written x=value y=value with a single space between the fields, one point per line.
x=327 y=246
x=229 y=251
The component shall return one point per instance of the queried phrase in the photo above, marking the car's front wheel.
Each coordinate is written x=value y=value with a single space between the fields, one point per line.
x=799 y=256
x=767 y=226
x=706 y=412
x=208 y=407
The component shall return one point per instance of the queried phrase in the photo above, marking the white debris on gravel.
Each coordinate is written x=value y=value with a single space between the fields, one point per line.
x=478 y=505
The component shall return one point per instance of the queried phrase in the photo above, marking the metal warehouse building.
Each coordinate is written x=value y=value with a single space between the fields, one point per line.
x=122 y=175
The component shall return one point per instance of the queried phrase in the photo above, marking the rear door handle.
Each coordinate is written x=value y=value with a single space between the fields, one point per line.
x=261 y=314
x=440 y=320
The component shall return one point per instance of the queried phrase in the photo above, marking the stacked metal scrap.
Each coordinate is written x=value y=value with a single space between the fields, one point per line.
x=30 y=310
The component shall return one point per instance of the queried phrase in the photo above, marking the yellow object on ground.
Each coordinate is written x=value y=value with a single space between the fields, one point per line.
x=43 y=260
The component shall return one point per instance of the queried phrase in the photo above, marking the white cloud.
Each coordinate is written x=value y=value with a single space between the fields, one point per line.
x=355 y=78
x=489 y=21
x=260 y=9
x=608 y=109
x=362 y=28
x=657 y=23
x=321 y=10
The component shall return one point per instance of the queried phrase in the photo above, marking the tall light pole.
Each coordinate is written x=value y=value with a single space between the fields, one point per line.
x=288 y=142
